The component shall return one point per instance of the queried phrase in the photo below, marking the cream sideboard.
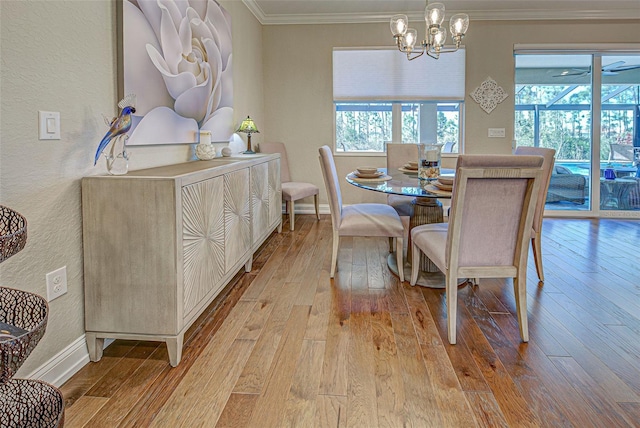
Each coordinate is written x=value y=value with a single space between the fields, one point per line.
x=161 y=243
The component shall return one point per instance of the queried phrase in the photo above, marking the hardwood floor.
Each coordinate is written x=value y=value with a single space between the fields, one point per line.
x=285 y=346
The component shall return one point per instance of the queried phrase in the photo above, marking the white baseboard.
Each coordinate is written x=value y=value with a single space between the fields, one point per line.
x=65 y=363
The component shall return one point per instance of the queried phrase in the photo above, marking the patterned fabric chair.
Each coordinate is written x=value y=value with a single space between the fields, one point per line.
x=492 y=210
x=291 y=190
x=566 y=186
x=536 y=233
x=358 y=219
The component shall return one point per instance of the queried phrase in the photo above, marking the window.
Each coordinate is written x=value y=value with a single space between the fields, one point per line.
x=380 y=97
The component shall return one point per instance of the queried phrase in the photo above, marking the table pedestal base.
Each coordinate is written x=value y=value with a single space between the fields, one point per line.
x=425 y=279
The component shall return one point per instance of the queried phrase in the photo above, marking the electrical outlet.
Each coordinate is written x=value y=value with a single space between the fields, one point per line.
x=56 y=283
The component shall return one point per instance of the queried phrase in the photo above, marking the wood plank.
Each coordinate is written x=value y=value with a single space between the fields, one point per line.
x=238 y=410
x=300 y=407
x=486 y=410
x=331 y=411
x=270 y=406
x=361 y=389
x=320 y=309
x=390 y=391
x=421 y=406
x=211 y=400
x=375 y=277
x=83 y=410
x=334 y=369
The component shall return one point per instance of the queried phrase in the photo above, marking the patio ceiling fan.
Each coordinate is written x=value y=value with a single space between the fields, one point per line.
x=608 y=70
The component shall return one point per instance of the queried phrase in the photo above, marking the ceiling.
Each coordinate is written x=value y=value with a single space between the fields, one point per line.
x=271 y=12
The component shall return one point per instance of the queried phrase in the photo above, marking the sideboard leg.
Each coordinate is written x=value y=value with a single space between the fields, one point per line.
x=174 y=348
x=248 y=264
x=95 y=345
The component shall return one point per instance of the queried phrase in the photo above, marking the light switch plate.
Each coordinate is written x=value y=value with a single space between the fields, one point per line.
x=49 y=125
x=496 y=133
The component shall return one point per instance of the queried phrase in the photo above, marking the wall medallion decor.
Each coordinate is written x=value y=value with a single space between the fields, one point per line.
x=489 y=95
x=176 y=57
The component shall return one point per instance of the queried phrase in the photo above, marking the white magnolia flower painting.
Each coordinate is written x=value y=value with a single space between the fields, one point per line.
x=177 y=61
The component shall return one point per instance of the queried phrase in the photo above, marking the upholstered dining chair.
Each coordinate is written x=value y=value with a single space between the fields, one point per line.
x=291 y=190
x=536 y=231
x=363 y=219
x=492 y=209
x=398 y=154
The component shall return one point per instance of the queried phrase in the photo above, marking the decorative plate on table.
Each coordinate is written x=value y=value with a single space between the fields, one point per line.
x=447 y=180
x=433 y=189
x=354 y=177
x=408 y=170
x=442 y=186
x=375 y=174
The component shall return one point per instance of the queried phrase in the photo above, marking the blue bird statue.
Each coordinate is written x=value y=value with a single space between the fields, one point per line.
x=119 y=125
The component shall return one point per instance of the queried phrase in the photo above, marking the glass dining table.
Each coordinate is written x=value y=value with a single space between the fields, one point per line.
x=426 y=209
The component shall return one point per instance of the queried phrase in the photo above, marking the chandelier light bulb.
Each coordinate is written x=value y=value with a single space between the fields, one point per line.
x=434 y=14
x=459 y=24
x=399 y=25
x=410 y=38
x=439 y=38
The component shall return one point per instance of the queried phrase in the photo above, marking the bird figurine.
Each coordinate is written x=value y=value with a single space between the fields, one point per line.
x=118 y=125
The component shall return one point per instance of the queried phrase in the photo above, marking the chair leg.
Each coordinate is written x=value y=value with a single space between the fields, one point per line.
x=292 y=214
x=415 y=263
x=537 y=255
x=390 y=244
x=400 y=258
x=316 y=202
x=334 y=253
x=520 y=292
x=452 y=305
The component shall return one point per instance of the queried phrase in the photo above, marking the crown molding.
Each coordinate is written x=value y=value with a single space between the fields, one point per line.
x=474 y=15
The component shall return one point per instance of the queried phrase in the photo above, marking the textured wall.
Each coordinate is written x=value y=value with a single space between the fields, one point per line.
x=61 y=56
x=298 y=76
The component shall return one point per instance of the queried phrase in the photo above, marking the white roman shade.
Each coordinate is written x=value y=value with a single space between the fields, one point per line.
x=384 y=74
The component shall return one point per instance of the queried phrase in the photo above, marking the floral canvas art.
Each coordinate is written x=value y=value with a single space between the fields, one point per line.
x=176 y=59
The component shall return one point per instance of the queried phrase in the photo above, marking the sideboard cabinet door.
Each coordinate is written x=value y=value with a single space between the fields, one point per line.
x=202 y=239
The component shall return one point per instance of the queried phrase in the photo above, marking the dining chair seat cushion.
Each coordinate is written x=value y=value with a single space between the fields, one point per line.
x=370 y=220
x=432 y=239
x=402 y=204
x=292 y=190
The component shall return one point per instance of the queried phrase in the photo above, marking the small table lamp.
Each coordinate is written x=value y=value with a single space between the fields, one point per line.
x=248 y=127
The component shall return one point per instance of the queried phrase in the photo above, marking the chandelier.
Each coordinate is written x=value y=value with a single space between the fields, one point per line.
x=433 y=44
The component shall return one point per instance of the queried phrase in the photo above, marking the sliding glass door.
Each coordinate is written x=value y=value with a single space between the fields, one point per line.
x=586 y=107
x=620 y=134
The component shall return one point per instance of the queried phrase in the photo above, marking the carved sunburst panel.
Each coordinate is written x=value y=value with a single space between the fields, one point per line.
x=260 y=199
x=203 y=239
x=237 y=218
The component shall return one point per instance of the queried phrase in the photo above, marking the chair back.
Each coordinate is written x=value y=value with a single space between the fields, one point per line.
x=492 y=209
x=547 y=166
x=332 y=184
x=399 y=154
x=285 y=177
